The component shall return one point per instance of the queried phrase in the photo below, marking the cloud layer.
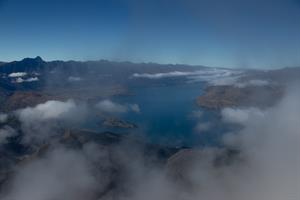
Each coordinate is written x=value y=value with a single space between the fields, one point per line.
x=259 y=161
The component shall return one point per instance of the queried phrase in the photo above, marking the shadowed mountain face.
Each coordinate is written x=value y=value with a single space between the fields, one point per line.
x=102 y=67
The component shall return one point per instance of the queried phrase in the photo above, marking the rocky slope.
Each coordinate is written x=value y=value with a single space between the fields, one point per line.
x=217 y=97
x=256 y=88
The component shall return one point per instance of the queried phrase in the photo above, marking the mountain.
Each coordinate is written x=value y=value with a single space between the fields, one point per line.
x=25 y=65
x=38 y=64
x=33 y=80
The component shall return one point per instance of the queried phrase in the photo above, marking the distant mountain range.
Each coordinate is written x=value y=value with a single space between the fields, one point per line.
x=38 y=64
x=33 y=80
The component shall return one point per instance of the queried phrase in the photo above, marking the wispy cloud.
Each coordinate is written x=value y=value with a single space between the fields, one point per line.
x=74 y=79
x=17 y=74
x=110 y=107
x=22 y=80
x=213 y=76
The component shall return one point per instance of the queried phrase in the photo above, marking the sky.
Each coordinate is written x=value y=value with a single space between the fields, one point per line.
x=218 y=33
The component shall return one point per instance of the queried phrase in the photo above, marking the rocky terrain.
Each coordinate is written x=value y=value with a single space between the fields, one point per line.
x=217 y=97
x=118 y=123
x=266 y=89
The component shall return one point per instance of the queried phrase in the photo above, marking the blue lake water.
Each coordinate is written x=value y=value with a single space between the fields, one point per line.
x=167 y=114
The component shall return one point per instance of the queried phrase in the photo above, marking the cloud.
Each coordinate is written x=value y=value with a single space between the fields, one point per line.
x=241 y=116
x=213 y=76
x=32 y=79
x=5 y=133
x=259 y=161
x=74 y=79
x=110 y=107
x=163 y=75
x=62 y=175
x=265 y=166
x=38 y=122
x=135 y=108
x=17 y=74
x=270 y=146
x=203 y=126
x=47 y=111
x=269 y=162
x=3 y=117
x=254 y=82
x=217 y=76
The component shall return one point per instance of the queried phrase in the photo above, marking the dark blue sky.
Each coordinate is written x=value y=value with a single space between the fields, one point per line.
x=229 y=33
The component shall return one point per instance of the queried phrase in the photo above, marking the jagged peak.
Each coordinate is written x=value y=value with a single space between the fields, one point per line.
x=37 y=59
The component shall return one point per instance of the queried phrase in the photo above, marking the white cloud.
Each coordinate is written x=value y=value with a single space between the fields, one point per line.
x=17 y=74
x=217 y=76
x=62 y=175
x=32 y=79
x=163 y=75
x=47 y=111
x=110 y=107
x=266 y=165
x=38 y=122
x=241 y=116
x=135 y=108
x=214 y=76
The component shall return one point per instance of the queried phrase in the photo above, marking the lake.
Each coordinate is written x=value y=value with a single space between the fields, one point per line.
x=169 y=114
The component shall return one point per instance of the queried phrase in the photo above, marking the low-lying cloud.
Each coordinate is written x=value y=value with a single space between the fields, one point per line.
x=241 y=115
x=213 y=76
x=259 y=161
x=110 y=107
x=22 y=80
x=163 y=75
x=38 y=122
x=17 y=74
x=48 y=111
x=62 y=175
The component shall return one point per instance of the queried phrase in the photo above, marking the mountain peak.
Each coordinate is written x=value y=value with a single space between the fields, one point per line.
x=37 y=59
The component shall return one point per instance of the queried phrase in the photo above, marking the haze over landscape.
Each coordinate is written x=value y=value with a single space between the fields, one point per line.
x=142 y=100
